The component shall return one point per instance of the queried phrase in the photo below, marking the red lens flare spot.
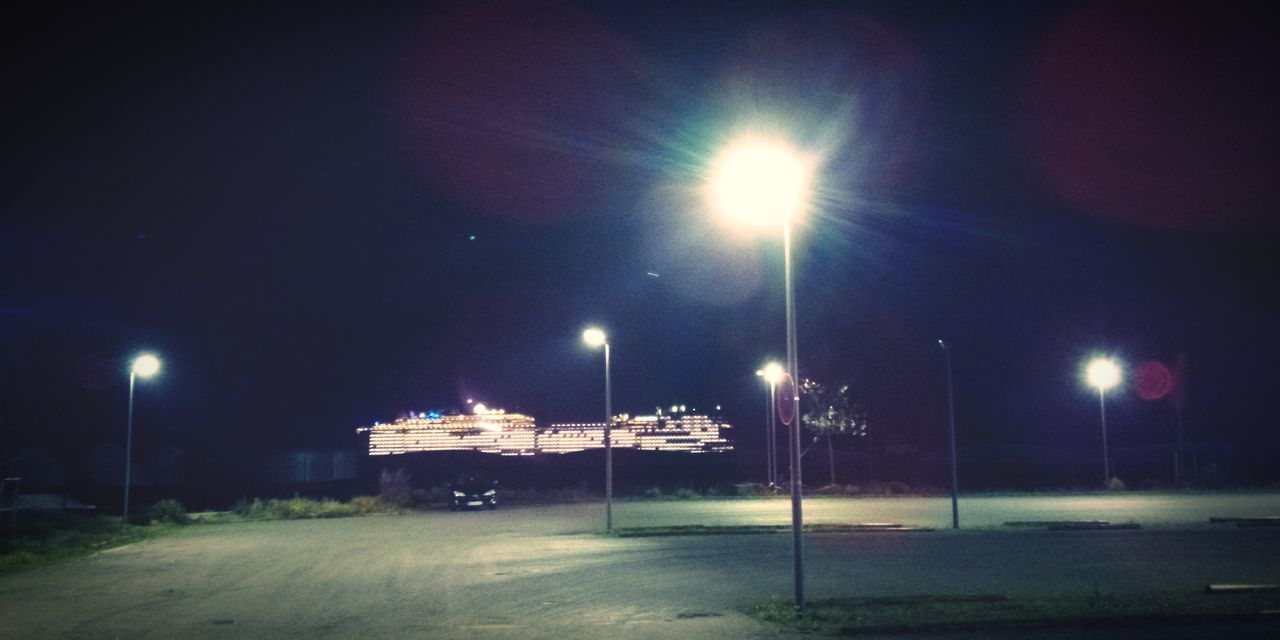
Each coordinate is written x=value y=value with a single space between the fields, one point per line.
x=1155 y=381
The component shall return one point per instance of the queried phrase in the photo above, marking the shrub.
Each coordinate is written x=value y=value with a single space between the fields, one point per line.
x=684 y=493
x=246 y=508
x=335 y=509
x=653 y=492
x=295 y=508
x=168 y=510
x=838 y=490
x=298 y=508
x=369 y=504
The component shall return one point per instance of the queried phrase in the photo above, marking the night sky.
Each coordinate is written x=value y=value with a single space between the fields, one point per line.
x=321 y=215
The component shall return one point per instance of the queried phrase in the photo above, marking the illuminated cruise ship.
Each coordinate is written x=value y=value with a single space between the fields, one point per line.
x=515 y=434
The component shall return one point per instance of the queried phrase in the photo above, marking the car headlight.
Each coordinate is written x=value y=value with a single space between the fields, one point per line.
x=459 y=494
x=491 y=493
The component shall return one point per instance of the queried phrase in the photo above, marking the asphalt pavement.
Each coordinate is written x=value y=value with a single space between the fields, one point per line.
x=546 y=572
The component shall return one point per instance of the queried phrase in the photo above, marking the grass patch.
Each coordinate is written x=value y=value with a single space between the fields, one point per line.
x=510 y=495
x=753 y=529
x=51 y=536
x=850 y=616
x=45 y=538
x=298 y=508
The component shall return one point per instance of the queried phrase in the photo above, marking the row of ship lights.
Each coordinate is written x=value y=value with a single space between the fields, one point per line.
x=479 y=408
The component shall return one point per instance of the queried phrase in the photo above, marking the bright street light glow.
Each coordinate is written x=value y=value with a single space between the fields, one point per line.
x=759 y=183
x=1103 y=373
x=772 y=373
x=593 y=337
x=146 y=365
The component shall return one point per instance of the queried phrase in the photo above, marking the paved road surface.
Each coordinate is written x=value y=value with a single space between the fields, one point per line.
x=542 y=572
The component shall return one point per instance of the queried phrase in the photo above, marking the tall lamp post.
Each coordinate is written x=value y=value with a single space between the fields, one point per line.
x=144 y=366
x=596 y=338
x=951 y=425
x=764 y=183
x=1103 y=373
x=772 y=374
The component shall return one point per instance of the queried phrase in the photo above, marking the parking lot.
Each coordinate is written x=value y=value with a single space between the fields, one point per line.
x=545 y=572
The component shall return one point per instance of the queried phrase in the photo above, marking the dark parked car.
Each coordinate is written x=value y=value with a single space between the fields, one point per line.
x=473 y=492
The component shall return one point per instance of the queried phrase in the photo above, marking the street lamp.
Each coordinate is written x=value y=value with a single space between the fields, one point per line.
x=771 y=373
x=1103 y=373
x=596 y=338
x=951 y=423
x=144 y=366
x=759 y=182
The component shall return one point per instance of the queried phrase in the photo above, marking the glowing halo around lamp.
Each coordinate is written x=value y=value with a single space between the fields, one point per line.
x=772 y=373
x=759 y=183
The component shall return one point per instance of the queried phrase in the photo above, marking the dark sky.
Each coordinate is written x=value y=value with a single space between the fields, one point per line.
x=321 y=215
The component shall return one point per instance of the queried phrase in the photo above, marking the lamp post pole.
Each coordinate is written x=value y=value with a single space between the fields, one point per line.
x=773 y=433
x=1106 y=459
x=128 y=446
x=768 y=434
x=1103 y=373
x=797 y=512
x=771 y=372
x=763 y=183
x=951 y=424
x=595 y=337
x=608 y=445
x=145 y=365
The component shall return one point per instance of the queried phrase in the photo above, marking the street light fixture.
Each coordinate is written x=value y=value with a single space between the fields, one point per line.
x=143 y=366
x=1103 y=374
x=596 y=338
x=771 y=373
x=759 y=182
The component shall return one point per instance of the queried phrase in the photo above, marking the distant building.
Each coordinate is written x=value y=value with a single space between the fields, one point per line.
x=304 y=467
x=515 y=434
